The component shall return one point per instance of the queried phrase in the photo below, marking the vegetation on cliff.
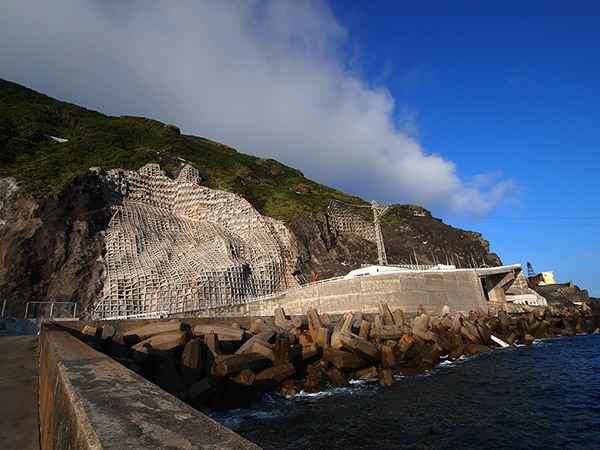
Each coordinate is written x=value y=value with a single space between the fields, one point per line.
x=52 y=243
x=42 y=166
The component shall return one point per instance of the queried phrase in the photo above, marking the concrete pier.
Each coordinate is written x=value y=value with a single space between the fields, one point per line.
x=58 y=392
x=89 y=401
x=19 y=376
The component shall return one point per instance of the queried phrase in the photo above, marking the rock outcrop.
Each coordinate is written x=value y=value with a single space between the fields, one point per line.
x=52 y=247
x=129 y=242
x=334 y=243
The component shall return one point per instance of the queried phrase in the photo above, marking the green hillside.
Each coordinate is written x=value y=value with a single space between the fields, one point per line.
x=42 y=166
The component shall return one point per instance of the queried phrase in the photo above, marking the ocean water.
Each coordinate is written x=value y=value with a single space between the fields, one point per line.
x=539 y=397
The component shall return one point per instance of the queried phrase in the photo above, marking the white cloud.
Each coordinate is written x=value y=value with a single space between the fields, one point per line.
x=267 y=77
x=592 y=256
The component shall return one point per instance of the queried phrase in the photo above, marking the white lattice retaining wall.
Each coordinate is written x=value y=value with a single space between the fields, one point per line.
x=176 y=246
x=342 y=219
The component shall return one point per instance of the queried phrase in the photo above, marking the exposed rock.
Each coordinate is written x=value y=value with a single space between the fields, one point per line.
x=272 y=167
x=172 y=128
x=52 y=247
x=248 y=175
x=313 y=241
x=302 y=189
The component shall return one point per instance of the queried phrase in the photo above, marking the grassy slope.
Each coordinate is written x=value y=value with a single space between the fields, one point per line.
x=43 y=166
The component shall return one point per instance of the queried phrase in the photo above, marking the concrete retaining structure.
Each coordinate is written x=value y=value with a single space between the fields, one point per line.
x=460 y=290
x=89 y=401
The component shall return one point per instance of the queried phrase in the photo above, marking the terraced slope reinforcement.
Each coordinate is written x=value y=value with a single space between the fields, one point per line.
x=176 y=246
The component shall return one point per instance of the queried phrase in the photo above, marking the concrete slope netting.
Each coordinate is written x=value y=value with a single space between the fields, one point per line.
x=342 y=219
x=173 y=245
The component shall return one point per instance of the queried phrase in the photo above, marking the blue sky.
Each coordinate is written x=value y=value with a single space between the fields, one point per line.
x=485 y=112
x=509 y=87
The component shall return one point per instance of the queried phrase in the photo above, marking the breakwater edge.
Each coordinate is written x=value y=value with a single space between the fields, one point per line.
x=357 y=363
x=373 y=373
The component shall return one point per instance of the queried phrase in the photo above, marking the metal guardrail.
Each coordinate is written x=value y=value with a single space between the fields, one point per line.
x=406 y=266
x=51 y=307
x=241 y=302
x=136 y=316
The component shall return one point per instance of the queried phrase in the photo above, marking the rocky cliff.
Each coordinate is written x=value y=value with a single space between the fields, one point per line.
x=167 y=219
x=120 y=243
x=51 y=247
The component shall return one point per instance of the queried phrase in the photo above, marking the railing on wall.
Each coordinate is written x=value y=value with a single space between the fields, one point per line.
x=158 y=314
x=414 y=269
x=53 y=306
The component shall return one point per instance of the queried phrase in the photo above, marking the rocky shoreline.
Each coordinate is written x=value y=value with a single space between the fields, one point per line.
x=227 y=366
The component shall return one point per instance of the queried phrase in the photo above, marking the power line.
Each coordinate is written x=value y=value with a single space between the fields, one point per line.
x=568 y=220
x=484 y=217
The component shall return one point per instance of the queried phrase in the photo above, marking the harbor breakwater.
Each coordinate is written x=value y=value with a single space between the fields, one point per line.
x=228 y=366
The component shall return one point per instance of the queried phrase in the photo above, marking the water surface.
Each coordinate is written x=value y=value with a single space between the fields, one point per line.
x=543 y=396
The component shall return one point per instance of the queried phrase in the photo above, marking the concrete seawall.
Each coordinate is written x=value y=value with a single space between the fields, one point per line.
x=89 y=401
x=459 y=290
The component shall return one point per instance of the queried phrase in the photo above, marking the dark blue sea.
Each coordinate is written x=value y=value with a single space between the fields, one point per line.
x=538 y=397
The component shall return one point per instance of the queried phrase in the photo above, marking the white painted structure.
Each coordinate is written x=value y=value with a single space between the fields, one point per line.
x=174 y=245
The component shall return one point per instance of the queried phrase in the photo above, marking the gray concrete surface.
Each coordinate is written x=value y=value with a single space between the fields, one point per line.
x=17 y=326
x=19 y=380
x=460 y=290
x=89 y=401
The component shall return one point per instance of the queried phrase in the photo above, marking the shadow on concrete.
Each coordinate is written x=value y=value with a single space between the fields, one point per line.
x=17 y=326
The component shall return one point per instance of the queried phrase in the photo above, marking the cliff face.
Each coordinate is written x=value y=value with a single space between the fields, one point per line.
x=173 y=245
x=54 y=248
x=224 y=226
x=434 y=242
x=51 y=247
x=415 y=238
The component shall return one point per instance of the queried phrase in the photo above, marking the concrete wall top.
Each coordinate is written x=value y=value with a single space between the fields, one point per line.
x=88 y=400
x=460 y=290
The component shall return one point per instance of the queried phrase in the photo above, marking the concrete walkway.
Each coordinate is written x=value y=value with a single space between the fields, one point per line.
x=19 y=384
